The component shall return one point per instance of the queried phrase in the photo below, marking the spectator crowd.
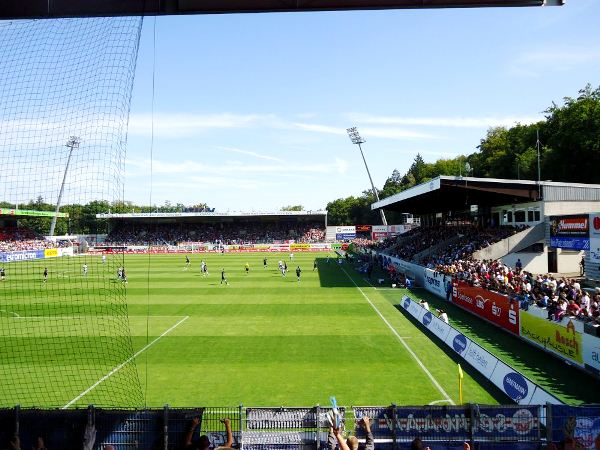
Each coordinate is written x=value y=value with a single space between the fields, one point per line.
x=15 y=239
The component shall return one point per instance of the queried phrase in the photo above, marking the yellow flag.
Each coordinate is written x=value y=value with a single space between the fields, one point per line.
x=460 y=372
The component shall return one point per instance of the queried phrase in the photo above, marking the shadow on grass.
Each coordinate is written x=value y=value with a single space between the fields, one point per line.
x=330 y=275
x=565 y=381
x=495 y=392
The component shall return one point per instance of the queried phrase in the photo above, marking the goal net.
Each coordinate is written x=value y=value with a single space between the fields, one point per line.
x=65 y=333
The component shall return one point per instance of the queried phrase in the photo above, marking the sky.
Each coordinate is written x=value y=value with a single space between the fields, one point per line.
x=251 y=110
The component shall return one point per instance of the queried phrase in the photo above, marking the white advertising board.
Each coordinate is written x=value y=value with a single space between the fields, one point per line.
x=435 y=325
x=512 y=383
x=434 y=282
x=591 y=352
x=595 y=238
x=481 y=359
x=413 y=308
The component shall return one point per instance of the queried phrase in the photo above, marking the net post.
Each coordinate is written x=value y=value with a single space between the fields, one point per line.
x=17 y=419
x=166 y=427
x=317 y=427
x=548 y=411
x=472 y=419
x=241 y=424
x=393 y=430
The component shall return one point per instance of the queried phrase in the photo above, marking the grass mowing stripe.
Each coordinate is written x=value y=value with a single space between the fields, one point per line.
x=120 y=366
x=402 y=341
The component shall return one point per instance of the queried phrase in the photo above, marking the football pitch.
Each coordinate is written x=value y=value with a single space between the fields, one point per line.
x=261 y=340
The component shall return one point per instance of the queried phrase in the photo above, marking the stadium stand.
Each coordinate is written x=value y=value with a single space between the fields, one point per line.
x=20 y=239
x=222 y=233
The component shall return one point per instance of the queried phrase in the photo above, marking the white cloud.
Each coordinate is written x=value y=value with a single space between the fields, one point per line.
x=386 y=133
x=250 y=153
x=451 y=122
x=537 y=63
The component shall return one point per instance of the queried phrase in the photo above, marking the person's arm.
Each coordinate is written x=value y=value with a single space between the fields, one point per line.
x=341 y=441
x=190 y=433
x=331 y=439
x=229 y=442
x=370 y=444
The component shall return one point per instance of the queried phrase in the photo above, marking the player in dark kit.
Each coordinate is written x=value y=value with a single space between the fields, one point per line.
x=247 y=267
x=45 y=274
x=265 y=263
x=2 y=274
x=187 y=262
x=223 y=277
x=298 y=272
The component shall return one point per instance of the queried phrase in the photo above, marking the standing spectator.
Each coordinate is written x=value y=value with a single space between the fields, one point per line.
x=352 y=442
x=204 y=443
x=582 y=266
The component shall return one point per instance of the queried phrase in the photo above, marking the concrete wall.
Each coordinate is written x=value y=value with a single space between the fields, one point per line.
x=517 y=242
x=562 y=208
x=568 y=260
x=532 y=262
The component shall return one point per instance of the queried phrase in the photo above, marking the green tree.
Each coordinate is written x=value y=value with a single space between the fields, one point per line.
x=292 y=208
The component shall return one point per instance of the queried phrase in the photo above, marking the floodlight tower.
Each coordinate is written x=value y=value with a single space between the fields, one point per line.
x=72 y=143
x=357 y=139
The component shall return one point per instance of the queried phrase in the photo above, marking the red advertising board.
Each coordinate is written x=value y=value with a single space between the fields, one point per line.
x=494 y=307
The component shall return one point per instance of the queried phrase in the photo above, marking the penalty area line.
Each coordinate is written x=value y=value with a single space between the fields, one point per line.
x=402 y=341
x=120 y=366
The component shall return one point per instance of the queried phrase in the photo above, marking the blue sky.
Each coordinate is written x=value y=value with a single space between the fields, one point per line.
x=250 y=110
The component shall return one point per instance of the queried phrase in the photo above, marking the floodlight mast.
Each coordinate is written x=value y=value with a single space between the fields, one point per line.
x=72 y=143
x=357 y=139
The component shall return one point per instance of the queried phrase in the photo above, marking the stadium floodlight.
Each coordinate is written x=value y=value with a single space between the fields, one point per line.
x=72 y=143
x=357 y=139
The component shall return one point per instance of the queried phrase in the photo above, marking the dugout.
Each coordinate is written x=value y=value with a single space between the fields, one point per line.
x=491 y=202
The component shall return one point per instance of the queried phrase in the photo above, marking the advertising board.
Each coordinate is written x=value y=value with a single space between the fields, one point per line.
x=51 y=253
x=481 y=359
x=591 y=353
x=435 y=325
x=512 y=383
x=570 y=232
x=435 y=282
x=26 y=255
x=413 y=308
x=561 y=339
x=494 y=307
x=582 y=423
x=595 y=238
x=344 y=236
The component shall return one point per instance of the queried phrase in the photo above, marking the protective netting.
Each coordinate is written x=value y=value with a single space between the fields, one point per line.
x=65 y=91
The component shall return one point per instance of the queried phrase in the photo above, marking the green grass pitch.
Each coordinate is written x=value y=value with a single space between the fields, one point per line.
x=262 y=340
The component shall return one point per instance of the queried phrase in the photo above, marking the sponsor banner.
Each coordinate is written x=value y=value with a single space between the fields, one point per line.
x=379 y=229
x=413 y=308
x=381 y=421
x=30 y=213
x=51 y=253
x=595 y=238
x=581 y=423
x=541 y=397
x=344 y=236
x=591 y=353
x=68 y=251
x=457 y=341
x=480 y=359
x=494 y=307
x=397 y=229
x=363 y=228
x=512 y=383
x=349 y=229
x=453 y=423
x=561 y=339
x=25 y=255
x=571 y=232
x=435 y=325
x=299 y=247
x=435 y=282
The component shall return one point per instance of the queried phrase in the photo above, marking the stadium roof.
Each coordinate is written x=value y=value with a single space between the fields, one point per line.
x=40 y=9
x=233 y=214
x=449 y=193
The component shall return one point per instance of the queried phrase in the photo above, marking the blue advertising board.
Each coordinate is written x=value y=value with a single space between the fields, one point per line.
x=25 y=255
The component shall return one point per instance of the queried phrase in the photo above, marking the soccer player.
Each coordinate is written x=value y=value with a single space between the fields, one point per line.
x=205 y=270
x=265 y=262
x=84 y=270
x=120 y=273
x=291 y=256
x=223 y=277
x=45 y=274
x=247 y=267
x=187 y=262
x=283 y=269
x=123 y=275
x=2 y=274
x=315 y=265
x=298 y=272
x=103 y=259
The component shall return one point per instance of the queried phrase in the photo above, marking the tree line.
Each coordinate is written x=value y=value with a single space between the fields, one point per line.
x=569 y=145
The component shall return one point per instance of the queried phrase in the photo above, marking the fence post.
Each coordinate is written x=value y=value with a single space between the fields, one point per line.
x=318 y=426
x=17 y=419
x=166 y=427
x=472 y=418
x=549 y=431
x=241 y=424
x=393 y=430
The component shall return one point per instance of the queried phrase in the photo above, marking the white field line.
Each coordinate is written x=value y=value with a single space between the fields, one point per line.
x=402 y=341
x=120 y=366
x=438 y=401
